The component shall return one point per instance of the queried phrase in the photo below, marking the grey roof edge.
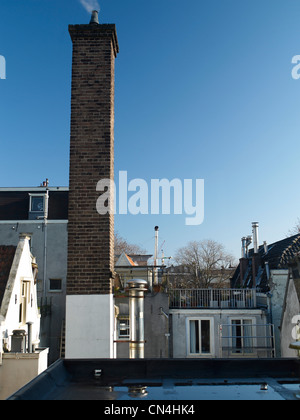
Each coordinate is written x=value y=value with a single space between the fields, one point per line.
x=63 y=374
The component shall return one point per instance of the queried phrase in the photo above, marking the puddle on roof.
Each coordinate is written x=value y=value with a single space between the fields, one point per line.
x=198 y=392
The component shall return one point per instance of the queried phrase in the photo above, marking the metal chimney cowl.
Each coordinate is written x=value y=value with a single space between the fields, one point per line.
x=95 y=18
x=140 y=284
x=255 y=237
x=244 y=247
x=137 y=289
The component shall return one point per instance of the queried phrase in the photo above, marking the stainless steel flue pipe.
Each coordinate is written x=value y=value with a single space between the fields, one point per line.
x=137 y=289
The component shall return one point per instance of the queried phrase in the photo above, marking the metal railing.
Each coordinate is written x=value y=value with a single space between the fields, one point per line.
x=247 y=339
x=212 y=298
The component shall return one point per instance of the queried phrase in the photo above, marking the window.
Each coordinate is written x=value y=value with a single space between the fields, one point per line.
x=200 y=337
x=24 y=301
x=242 y=336
x=55 y=285
x=38 y=206
x=37 y=203
x=123 y=328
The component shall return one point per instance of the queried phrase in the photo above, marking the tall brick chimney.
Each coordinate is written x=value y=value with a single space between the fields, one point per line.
x=89 y=302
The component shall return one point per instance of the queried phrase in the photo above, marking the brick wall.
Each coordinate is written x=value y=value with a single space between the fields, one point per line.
x=90 y=236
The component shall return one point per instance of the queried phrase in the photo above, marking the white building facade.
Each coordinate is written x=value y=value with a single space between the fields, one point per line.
x=20 y=357
x=234 y=324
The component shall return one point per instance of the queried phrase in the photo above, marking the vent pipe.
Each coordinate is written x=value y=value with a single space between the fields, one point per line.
x=244 y=247
x=256 y=258
x=255 y=237
x=137 y=289
x=246 y=241
x=29 y=337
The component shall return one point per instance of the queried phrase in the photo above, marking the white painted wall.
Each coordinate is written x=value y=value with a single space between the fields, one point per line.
x=9 y=312
x=289 y=330
x=55 y=268
x=180 y=324
x=278 y=285
x=89 y=326
x=19 y=369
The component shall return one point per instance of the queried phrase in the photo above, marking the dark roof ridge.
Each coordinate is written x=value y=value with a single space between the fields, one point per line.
x=7 y=255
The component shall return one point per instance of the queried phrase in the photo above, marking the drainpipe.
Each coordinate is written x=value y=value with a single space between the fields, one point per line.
x=46 y=209
x=156 y=255
x=255 y=258
x=137 y=289
x=270 y=316
x=29 y=324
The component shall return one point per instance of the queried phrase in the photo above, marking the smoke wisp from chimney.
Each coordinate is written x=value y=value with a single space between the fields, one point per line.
x=90 y=5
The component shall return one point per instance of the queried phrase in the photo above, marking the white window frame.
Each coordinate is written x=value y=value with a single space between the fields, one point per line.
x=212 y=337
x=123 y=337
x=25 y=299
x=254 y=338
x=30 y=203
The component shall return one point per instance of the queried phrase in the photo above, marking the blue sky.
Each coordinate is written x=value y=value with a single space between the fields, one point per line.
x=203 y=91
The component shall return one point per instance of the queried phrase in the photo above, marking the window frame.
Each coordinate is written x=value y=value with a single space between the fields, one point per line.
x=253 y=346
x=211 y=337
x=56 y=290
x=31 y=196
x=127 y=320
x=25 y=300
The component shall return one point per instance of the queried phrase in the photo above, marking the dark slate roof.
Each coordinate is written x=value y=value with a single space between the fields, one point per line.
x=281 y=253
x=7 y=254
x=278 y=256
x=14 y=205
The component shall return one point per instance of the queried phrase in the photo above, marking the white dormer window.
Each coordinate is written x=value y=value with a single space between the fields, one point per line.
x=37 y=206
x=37 y=203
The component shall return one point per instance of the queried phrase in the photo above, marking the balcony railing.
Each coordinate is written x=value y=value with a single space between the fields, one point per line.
x=243 y=338
x=212 y=298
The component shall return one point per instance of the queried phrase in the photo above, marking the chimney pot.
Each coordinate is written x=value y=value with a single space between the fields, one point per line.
x=94 y=18
x=244 y=247
x=255 y=237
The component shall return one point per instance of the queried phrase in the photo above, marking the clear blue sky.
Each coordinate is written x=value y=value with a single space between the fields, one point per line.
x=203 y=90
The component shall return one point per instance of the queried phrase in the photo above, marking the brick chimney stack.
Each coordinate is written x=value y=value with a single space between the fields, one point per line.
x=89 y=304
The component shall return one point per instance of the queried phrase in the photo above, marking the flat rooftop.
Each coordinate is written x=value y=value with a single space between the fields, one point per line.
x=166 y=380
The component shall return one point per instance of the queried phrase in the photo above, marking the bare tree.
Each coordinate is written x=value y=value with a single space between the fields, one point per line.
x=205 y=264
x=295 y=230
x=121 y=245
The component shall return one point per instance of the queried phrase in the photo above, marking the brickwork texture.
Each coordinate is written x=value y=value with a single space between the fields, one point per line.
x=90 y=235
